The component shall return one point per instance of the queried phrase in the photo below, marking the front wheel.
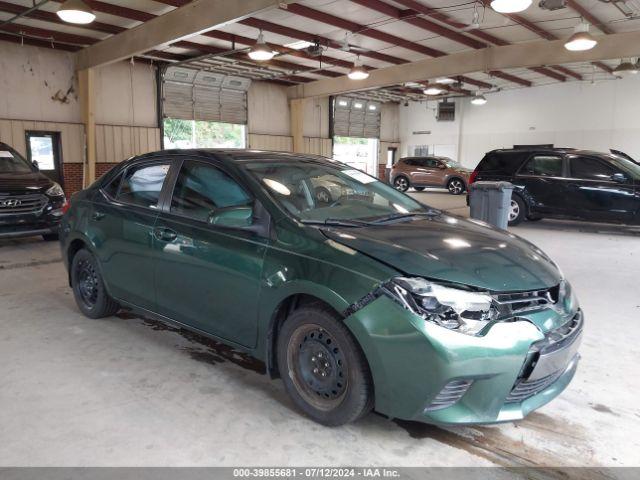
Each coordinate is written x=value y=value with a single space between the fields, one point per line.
x=88 y=287
x=323 y=368
x=455 y=186
x=401 y=184
x=517 y=211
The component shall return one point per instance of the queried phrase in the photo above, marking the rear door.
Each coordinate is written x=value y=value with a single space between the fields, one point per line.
x=121 y=224
x=593 y=193
x=208 y=276
x=543 y=182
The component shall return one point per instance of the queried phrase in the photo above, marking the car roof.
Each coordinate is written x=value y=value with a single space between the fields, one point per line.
x=240 y=155
x=564 y=150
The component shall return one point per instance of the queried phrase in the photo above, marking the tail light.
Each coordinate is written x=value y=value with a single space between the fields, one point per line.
x=473 y=176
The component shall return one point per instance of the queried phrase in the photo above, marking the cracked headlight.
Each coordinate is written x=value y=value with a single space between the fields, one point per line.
x=55 y=191
x=460 y=310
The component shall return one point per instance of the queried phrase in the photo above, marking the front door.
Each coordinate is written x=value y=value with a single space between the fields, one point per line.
x=426 y=172
x=122 y=223
x=208 y=276
x=44 y=149
x=544 y=181
x=595 y=195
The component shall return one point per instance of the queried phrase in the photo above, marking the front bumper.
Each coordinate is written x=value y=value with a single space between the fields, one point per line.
x=28 y=225
x=417 y=365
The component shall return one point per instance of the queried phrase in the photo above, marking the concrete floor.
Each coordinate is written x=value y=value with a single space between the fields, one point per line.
x=128 y=392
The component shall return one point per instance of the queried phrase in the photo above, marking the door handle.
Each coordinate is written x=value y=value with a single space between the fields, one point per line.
x=97 y=216
x=165 y=234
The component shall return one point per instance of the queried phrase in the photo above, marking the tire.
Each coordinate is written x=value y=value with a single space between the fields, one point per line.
x=88 y=287
x=323 y=195
x=518 y=211
x=456 y=186
x=313 y=344
x=418 y=189
x=50 y=237
x=401 y=183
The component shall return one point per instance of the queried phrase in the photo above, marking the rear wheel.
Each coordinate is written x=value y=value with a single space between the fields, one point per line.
x=517 y=210
x=88 y=287
x=455 y=186
x=323 y=368
x=401 y=183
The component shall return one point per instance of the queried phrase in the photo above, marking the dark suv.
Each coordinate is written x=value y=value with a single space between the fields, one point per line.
x=565 y=183
x=30 y=203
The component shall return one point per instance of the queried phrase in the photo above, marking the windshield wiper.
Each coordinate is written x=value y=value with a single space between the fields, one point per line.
x=337 y=222
x=398 y=216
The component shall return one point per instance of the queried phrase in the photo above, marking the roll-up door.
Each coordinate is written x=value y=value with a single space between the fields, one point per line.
x=353 y=117
x=199 y=95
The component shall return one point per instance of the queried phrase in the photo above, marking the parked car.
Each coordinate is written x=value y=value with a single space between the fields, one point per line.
x=328 y=190
x=30 y=203
x=566 y=183
x=421 y=172
x=376 y=301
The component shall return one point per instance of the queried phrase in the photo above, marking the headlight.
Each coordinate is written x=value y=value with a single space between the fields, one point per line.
x=456 y=309
x=55 y=191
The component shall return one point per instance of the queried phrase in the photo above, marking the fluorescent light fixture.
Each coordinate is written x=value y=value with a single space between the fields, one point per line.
x=358 y=105
x=479 y=99
x=299 y=45
x=76 y=11
x=261 y=51
x=581 y=39
x=372 y=107
x=626 y=68
x=510 y=6
x=445 y=81
x=343 y=103
x=433 y=90
x=358 y=72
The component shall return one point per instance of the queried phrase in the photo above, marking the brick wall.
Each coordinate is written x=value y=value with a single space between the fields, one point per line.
x=73 y=175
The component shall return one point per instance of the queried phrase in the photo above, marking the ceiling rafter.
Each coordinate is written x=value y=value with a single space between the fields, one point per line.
x=591 y=18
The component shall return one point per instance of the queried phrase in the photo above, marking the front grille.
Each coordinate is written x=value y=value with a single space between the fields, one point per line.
x=510 y=304
x=22 y=204
x=526 y=389
x=449 y=395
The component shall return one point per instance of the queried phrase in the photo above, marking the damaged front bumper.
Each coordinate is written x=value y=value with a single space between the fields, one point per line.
x=424 y=372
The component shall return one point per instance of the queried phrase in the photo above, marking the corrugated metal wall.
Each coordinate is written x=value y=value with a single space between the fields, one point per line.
x=13 y=132
x=116 y=143
x=282 y=143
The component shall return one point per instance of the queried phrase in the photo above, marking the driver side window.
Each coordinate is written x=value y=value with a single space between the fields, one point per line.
x=202 y=188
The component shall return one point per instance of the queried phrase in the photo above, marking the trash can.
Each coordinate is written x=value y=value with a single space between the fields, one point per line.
x=491 y=202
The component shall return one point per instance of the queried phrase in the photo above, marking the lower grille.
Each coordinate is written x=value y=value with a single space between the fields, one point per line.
x=526 y=389
x=22 y=204
x=449 y=395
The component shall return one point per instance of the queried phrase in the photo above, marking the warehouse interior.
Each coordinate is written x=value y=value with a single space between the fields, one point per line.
x=365 y=82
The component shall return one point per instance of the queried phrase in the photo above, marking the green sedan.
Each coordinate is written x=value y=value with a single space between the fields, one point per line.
x=371 y=300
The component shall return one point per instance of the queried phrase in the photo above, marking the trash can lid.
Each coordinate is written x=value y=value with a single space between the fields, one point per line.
x=484 y=185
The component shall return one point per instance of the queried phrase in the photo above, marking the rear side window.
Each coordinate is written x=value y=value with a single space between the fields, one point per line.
x=201 y=189
x=502 y=163
x=590 y=168
x=142 y=184
x=544 y=166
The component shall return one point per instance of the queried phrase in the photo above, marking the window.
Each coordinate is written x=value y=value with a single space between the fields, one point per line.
x=544 y=166
x=201 y=189
x=203 y=134
x=142 y=184
x=505 y=163
x=12 y=162
x=591 y=169
x=360 y=153
x=430 y=163
x=111 y=188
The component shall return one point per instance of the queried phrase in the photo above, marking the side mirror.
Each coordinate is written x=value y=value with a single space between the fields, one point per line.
x=619 y=177
x=35 y=164
x=232 y=217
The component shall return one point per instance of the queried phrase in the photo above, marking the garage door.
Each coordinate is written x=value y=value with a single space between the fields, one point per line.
x=356 y=118
x=198 y=95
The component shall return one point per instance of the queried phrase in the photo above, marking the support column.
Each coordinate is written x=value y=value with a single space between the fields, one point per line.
x=296 y=106
x=86 y=81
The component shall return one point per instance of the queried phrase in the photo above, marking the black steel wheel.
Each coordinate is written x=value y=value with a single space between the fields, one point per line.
x=323 y=368
x=88 y=287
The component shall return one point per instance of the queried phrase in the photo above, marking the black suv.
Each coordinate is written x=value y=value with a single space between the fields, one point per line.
x=30 y=203
x=565 y=183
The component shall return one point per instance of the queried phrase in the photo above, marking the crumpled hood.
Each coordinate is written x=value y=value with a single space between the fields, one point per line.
x=454 y=250
x=17 y=183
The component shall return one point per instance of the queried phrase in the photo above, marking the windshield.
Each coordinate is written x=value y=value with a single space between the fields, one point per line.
x=315 y=192
x=12 y=162
x=626 y=165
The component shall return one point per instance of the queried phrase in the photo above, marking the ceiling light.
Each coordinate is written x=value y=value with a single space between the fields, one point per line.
x=626 y=68
x=433 y=90
x=76 y=11
x=479 y=99
x=445 y=81
x=510 y=6
x=358 y=72
x=261 y=51
x=581 y=39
